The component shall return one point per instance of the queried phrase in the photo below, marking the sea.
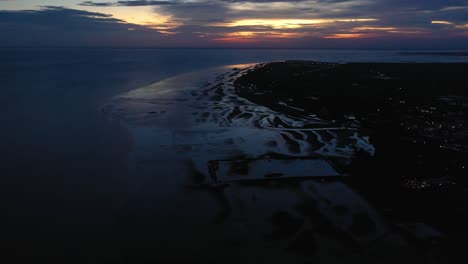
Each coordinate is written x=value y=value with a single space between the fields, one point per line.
x=67 y=188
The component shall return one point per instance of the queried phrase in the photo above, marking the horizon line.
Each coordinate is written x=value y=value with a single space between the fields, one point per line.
x=219 y=48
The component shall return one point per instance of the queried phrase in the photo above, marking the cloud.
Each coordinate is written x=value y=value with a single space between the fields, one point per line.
x=307 y=21
x=170 y=2
x=59 y=26
x=129 y=3
x=395 y=12
x=91 y=3
x=296 y=23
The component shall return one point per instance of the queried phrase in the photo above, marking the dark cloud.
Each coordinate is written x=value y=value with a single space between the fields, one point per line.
x=144 y=3
x=199 y=13
x=418 y=4
x=392 y=11
x=91 y=3
x=220 y=10
x=264 y=1
x=129 y=3
x=201 y=23
x=415 y=13
x=180 y=2
x=162 y=2
x=58 y=26
x=397 y=21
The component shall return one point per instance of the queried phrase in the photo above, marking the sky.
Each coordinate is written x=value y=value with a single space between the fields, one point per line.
x=327 y=24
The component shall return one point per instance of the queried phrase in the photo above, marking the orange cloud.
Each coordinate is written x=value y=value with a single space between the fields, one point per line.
x=255 y=36
x=443 y=22
x=289 y=23
x=346 y=36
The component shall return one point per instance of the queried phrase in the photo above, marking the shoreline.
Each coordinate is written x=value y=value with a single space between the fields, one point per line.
x=255 y=152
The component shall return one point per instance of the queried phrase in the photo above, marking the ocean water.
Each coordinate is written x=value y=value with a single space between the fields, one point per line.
x=67 y=186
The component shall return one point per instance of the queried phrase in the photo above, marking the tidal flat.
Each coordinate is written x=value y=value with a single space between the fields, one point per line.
x=304 y=161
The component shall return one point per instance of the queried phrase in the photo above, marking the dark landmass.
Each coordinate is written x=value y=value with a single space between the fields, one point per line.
x=416 y=117
x=442 y=53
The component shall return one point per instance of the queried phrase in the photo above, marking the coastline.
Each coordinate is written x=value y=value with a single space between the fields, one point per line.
x=216 y=128
x=76 y=185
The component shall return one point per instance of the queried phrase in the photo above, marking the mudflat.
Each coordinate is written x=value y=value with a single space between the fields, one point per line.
x=415 y=115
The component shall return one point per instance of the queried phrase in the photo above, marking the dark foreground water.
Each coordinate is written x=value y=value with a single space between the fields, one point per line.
x=68 y=192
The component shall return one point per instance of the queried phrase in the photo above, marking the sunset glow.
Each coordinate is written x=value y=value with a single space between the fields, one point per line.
x=346 y=36
x=289 y=23
x=255 y=36
x=302 y=23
